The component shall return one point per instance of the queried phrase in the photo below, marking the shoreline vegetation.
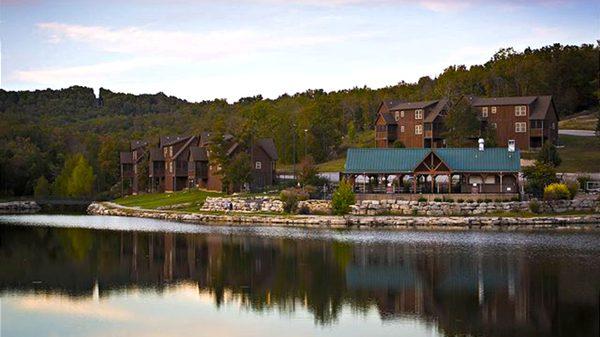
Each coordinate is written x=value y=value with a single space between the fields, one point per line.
x=580 y=221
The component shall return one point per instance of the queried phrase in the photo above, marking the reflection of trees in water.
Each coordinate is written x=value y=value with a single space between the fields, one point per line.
x=462 y=291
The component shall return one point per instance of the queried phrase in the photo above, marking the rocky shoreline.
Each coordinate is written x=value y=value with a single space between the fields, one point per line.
x=578 y=222
x=19 y=207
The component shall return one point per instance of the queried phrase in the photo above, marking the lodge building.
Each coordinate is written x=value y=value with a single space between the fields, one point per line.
x=184 y=162
x=406 y=173
x=526 y=121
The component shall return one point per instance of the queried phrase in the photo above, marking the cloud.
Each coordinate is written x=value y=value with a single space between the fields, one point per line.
x=187 y=45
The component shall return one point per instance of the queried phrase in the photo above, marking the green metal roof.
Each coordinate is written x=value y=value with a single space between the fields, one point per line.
x=386 y=160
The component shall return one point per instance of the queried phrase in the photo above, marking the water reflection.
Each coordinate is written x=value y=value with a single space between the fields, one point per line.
x=503 y=290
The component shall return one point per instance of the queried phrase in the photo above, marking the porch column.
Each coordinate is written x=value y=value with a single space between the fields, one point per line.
x=432 y=183
x=415 y=177
x=501 y=189
x=449 y=183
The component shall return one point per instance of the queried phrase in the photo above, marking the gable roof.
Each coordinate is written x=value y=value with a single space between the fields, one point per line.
x=389 y=103
x=388 y=118
x=170 y=140
x=268 y=145
x=437 y=110
x=390 y=160
x=185 y=146
x=484 y=101
x=413 y=105
x=198 y=153
x=136 y=144
x=541 y=108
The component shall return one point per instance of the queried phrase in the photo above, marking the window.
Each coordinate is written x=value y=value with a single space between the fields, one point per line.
x=419 y=114
x=418 y=129
x=170 y=167
x=490 y=180
x=258 y=165
x=494 y=126
x=397 y=116
x=171 y=151
x=484 y=111
x=552 y=126
x=165 y=151
x=520 y=127
x=401 y=128
x=493 y=109
x=520 y=110
x=402 y=113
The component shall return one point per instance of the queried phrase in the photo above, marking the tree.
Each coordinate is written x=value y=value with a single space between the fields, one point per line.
x=308 y=171
x=239 y=170
x=61 y=183
x=343 y=198
x=461 y=124
x=81 y=181
x=351 y=132
x=549 y=155
x=42 y=188
x=538 y=177
x=398 y=144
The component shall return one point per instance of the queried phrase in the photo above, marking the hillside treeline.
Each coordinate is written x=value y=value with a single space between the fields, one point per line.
x=41 y=129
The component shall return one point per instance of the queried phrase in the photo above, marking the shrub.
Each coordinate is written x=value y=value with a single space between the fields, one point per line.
x=556 y=191
x=461 y=200
x=538 y=177
x=449 y=200
x=290 y=198
x=42 y=188
x=343 y=198
x=303 y=210
x=421 y=199
x=398 y=144
x=534 y=206
x=583 y=180
x=549 y=155
x=573 y=187
x=487 y=200
x=515 y=199
x=470 y=201
x=437 y=199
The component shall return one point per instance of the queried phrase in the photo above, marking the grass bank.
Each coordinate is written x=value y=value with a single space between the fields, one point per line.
x=192 y=200
x=583 y=121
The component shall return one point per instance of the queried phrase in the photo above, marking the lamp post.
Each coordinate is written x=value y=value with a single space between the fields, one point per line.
x=294 y=150
x=305 y=140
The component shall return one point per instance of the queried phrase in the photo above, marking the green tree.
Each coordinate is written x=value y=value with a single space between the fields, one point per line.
x=81 y=181
x=538 y=177
x=461 y=124
x=549 y=155
x=61 y=183
x=42 y=188
x=351 y=132
x=398 y=144
x=239 y=170
x=343 y=198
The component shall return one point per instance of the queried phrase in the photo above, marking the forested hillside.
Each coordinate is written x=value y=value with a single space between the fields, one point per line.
x=41 y=129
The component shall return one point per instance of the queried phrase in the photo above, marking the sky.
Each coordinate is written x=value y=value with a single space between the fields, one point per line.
x=200 y=50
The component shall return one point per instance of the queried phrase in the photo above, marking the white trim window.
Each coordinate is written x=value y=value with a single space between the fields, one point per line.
x=520 y=127
x=494 y=125
x=401 y=113
x=484 y=111
x=170 y=167
x=165 y=151
x=258 y=165
x=170 y=151
x=493 y=109
x=419 y=114
x=397 y=116
x=401 y=128
x=520 y=110
x=418 y=129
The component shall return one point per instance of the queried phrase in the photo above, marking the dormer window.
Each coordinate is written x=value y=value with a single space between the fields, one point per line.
x=520 y=110
x=484 y=111
x=419 y=114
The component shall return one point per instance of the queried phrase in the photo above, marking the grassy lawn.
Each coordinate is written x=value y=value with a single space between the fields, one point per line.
x=583 y=122
x=579 y=154
x=154 y=200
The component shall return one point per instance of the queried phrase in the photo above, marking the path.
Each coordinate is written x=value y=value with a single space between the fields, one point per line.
x=580 y=133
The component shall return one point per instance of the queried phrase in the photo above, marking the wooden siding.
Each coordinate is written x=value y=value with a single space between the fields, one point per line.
x=505 y=120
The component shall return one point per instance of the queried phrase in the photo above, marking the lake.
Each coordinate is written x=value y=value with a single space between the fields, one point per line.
x=112 y=276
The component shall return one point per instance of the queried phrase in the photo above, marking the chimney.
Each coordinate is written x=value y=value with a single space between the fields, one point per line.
x=511 y=145
x=481 y=144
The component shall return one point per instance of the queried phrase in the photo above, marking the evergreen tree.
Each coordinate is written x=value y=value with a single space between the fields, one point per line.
x=549 y=155
x=461 y=124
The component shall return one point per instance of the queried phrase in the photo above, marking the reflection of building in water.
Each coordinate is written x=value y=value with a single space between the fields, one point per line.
x=463 y=290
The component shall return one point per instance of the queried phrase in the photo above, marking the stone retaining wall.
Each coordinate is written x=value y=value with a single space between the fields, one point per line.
x=256 y=204
x=400 y=207
x=584 y=222
x=19 y=207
